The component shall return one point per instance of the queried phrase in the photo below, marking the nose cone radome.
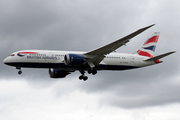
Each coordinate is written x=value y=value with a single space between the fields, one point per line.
x=5 y=61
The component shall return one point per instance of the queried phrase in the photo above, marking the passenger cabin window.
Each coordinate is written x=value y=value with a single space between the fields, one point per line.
x=12 y=54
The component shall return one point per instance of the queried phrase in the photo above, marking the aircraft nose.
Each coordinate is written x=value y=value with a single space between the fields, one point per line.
x=5 y=61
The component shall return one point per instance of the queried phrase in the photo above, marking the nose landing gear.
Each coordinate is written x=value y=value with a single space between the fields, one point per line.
x=19 y=72
x=19 y=68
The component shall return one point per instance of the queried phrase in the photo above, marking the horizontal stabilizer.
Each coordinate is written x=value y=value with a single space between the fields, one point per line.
x=159 y=56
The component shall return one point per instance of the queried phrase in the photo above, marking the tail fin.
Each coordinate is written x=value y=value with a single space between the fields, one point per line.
x=148 y=48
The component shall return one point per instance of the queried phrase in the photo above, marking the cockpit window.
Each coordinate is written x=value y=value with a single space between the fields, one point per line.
x=12 y=54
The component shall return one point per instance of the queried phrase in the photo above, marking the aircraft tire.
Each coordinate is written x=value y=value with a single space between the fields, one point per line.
x=81 y=77
x=20 y=72
x=89 y=71
x=85 y=78
x=94 y=72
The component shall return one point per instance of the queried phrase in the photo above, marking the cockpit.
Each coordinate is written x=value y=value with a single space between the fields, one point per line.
x=12 y=55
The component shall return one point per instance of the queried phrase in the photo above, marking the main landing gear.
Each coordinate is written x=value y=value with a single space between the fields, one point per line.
x=92 y=71
x=19 y=68
x=83 y=77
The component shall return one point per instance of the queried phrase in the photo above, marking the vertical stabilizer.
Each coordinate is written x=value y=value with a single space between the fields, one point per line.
x=148 y=48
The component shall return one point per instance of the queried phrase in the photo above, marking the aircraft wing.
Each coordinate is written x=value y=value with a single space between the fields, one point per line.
x=97 y=55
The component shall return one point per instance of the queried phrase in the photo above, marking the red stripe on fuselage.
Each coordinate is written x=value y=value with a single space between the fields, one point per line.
x=152 y=39
x=27 y=53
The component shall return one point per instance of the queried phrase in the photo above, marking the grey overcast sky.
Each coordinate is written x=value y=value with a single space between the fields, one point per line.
x=82 y=25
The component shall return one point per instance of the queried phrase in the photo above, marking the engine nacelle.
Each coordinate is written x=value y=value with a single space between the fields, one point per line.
x=55 y=73
x=73 y=59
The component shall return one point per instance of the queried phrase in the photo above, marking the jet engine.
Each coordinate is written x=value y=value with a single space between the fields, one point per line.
x=73 y=59
x=55 y=73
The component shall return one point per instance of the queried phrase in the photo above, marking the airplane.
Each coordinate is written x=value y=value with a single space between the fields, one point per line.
x=62 y=63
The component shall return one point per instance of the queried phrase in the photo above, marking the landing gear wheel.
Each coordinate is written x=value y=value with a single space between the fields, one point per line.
x=85 y=78
x=94 y=72
x=20 y=72
x=81 y=77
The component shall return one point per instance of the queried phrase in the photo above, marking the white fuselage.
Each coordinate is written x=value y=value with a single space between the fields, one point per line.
x=62 y=63
x=55 y=59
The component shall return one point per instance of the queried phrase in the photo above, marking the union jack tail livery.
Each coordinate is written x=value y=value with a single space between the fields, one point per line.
x=148 y=48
